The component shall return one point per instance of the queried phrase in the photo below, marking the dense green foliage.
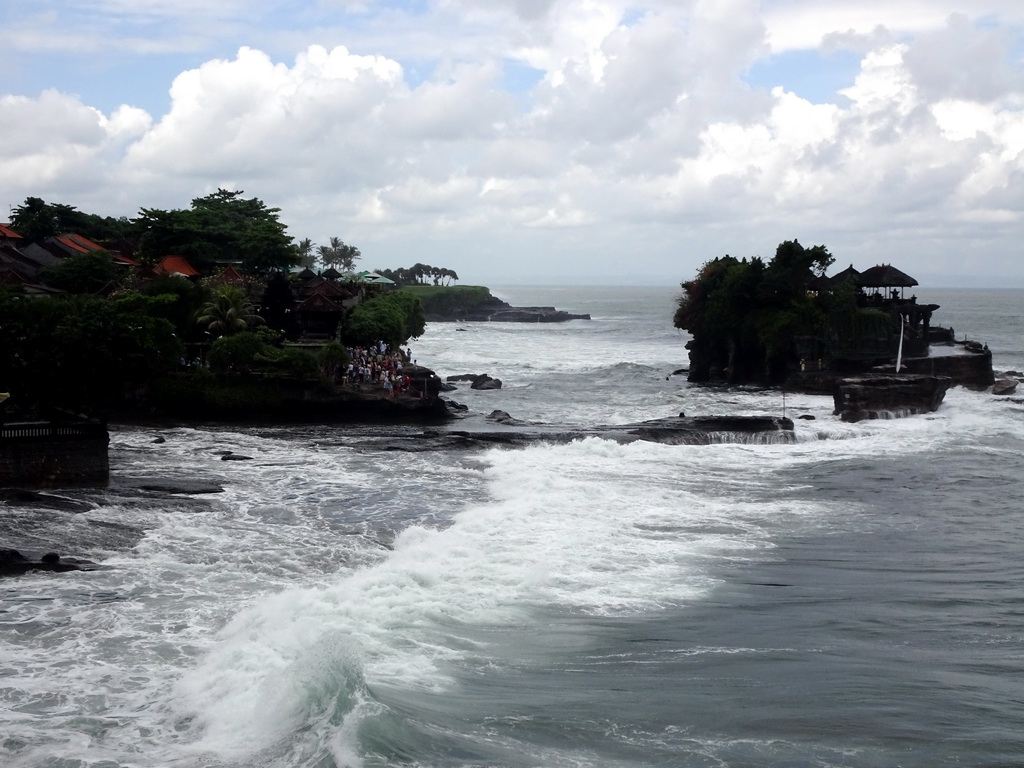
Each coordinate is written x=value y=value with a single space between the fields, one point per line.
x=221 y=227
x=121 y=335
x=81 y=351
x=392 y=317
x=420 y=274
x=37 y=220
x=746 y=316
x=338 y=254
x=446 y=301
x=228 y=311
x=93 y=272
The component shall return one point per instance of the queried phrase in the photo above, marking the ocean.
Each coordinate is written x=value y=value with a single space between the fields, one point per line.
x=855 y=598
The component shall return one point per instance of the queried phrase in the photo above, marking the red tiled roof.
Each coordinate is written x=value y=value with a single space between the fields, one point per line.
x=6 y=231
x=78 y=243
x=176 y=265
x=84 y=242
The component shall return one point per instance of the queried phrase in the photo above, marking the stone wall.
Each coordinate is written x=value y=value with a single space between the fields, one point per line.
x=44 y=458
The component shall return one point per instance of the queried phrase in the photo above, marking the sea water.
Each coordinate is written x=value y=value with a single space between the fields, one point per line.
x=853 y=599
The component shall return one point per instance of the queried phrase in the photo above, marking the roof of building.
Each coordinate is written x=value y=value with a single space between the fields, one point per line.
x=318 y=303
x=231 y=275
x=78 y=243
x=176 y=265
x=885 y=276
x=6 y=231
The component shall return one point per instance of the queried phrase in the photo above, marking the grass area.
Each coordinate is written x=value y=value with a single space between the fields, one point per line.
x=448 y=299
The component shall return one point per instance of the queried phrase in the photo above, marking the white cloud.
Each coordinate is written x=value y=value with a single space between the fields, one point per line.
x=641 y=138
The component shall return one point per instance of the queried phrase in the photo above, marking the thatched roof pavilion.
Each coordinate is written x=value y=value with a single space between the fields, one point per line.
x=885 y=276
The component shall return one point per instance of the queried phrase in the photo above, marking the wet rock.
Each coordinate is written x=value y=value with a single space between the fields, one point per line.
x=24 y=498
x=888 y=396
x=15 y=563
x=180 y=486
x=486 y=382
x=235 y=457
x=1004 y=387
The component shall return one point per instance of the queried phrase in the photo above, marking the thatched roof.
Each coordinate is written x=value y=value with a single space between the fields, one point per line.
x=885 y=276
x=847 y=275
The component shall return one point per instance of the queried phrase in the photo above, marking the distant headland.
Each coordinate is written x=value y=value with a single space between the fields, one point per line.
x=475 y=303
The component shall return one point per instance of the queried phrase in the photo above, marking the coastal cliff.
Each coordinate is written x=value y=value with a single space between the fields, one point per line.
x=474 y=303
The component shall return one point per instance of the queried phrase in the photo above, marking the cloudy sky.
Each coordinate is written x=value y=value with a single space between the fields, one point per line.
x=541 y=141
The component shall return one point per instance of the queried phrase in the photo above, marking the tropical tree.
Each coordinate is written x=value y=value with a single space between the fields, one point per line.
x=337 y=253
x=305 y=250
x=81 y=351
x=391 y=317
x=229 y=311
x=93 y=272
x=746 y=316
x=220 y=227
x=36 y=220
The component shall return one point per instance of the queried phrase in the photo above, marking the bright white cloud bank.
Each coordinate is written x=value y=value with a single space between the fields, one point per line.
x=639 y=152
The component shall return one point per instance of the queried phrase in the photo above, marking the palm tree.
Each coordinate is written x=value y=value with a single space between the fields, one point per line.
x=326 y=254
x=228 y=311
x=305 y=249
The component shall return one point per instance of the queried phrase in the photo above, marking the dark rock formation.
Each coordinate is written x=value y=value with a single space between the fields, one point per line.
x=24 y=498
x=888 y=396
x=701 y=430
x=971 y=367
x=189 y=486
x=478 y=380
x=486 y=382
x=495 y=310
x=14 y=563
x=1004 y=387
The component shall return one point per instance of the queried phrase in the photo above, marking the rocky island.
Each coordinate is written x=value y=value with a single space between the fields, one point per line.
x=855 y=335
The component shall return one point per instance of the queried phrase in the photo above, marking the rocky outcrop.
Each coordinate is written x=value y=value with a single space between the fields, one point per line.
x=14 y=563
x=969 y=364
x=888 y=396
x=1005 y=387
x=477 y=380
x=503 y=429
x=497 y=311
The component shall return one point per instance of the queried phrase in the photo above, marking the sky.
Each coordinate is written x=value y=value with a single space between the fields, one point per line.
x=541 y=141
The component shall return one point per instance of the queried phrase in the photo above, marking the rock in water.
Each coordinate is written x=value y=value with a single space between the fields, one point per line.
x=888 y=396
x=1004 y=387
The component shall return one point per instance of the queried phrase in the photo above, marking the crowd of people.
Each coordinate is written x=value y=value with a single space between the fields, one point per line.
x=377 y=366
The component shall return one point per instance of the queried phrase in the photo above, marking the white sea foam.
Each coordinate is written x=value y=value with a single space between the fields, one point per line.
x=279 y=622
x=590 y=528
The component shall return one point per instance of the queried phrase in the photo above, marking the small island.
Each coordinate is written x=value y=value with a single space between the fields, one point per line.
x=855 y=335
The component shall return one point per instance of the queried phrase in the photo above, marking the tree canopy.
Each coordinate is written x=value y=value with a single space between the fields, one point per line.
x=36 y=220
x=745 y=315
x=337 y=253
x=391 y=317
x=420 y=274
x=221 y=227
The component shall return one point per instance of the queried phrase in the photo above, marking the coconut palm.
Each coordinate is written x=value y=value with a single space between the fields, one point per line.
x=229 y=311
x=305 y=249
